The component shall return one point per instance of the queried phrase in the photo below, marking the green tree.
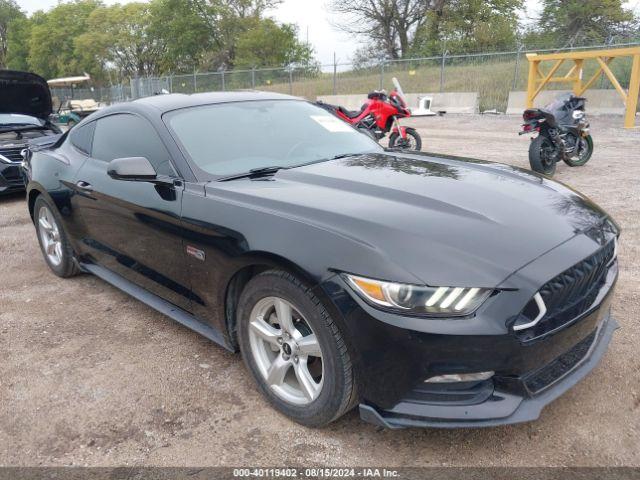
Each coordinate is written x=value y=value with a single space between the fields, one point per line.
x=570 y=22
x=120 y=36
x=18 y=44
x=185 y=34
x=226 y=21
x=52 y=42
x=9 y=14
x=151 y=38
x=469 y=26
x=268 y=44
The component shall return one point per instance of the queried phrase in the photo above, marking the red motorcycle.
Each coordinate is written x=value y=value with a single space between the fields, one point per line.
x=379 y=116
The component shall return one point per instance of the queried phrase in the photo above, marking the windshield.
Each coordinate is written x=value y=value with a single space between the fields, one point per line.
x=396 y=84
x=233 y=138
x=559 y=102
x=16 y=119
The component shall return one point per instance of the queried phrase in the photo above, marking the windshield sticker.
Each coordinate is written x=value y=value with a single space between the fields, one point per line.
x=332 y=123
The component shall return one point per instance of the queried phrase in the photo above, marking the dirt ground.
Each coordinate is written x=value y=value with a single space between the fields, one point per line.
x=90 y=376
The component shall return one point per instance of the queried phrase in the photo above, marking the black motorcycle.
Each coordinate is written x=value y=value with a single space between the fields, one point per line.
x=563 y=134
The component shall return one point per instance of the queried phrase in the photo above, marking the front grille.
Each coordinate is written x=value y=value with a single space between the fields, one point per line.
x=558 y=368
x=569 y=294
x=13 y=154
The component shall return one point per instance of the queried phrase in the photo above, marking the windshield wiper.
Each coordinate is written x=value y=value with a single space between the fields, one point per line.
x=259 y=172
x=343 y=155
x=253 y=173
x=328 y=159
x=4 y=128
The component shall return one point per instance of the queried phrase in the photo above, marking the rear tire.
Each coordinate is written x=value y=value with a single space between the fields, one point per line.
x=413 y=141
x=316 y=382
x=541 y=156
x=584 y=156
x=56 y=250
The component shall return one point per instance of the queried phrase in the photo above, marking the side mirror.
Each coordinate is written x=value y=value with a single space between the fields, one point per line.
x=132 y=169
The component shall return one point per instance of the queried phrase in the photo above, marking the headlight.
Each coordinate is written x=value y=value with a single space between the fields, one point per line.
x=419 y=299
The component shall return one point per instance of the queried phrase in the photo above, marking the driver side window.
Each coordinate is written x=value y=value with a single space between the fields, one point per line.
x=127 y=135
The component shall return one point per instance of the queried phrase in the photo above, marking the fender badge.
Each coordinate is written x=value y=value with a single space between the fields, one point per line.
x=196 y=253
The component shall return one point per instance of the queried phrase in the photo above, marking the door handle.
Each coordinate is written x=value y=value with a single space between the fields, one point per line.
x=85 y=186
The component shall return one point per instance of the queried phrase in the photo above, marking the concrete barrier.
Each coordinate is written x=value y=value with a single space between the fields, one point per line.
x=599 y=102
x=450 y=102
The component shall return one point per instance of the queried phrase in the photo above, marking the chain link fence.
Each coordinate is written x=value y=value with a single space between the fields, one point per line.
x=493 y=75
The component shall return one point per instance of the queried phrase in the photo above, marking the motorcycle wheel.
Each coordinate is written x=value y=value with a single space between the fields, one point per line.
x=541 y=157
x=584 y=155
x=413 y=141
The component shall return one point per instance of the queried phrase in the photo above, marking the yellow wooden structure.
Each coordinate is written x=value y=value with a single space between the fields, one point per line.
x=538 y=79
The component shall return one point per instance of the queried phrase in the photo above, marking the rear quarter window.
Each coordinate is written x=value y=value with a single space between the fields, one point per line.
x=82 y=137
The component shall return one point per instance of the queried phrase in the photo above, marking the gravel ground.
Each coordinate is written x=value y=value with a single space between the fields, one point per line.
x=89 y=376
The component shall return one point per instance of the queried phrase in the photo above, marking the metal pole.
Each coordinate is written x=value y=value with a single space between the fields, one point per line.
x=290 y=80
x=444 y=56
x=223 y=85
x=335 y=73
x=381 y=74
x=253 y=78
x=134 y=87
x=195 y=82
x=516 y=73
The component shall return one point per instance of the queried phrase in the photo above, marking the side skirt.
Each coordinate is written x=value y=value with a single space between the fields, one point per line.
x=167 y=308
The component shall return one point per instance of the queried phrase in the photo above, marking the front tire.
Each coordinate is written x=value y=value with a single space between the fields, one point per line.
x=413 y=141
x=541 y=156
x=585 y=153
x=53 y=240
x=294 y=350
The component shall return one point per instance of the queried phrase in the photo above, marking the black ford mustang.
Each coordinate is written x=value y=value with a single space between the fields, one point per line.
x=430 y=290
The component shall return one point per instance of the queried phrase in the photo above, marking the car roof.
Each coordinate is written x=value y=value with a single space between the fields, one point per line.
x=167 y=102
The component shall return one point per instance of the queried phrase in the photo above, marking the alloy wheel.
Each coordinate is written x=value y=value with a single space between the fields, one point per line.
x=407 y=143
x=50 y=236
x=286 y=351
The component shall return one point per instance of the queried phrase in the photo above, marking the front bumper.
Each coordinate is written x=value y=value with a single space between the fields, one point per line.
x=501 y=406
x=394 y=355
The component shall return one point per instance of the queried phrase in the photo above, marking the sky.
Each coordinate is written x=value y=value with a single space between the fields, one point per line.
x=313 y=19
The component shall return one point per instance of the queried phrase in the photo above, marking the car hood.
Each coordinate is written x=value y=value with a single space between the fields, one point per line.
x=445 y=221
x=25 y=93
